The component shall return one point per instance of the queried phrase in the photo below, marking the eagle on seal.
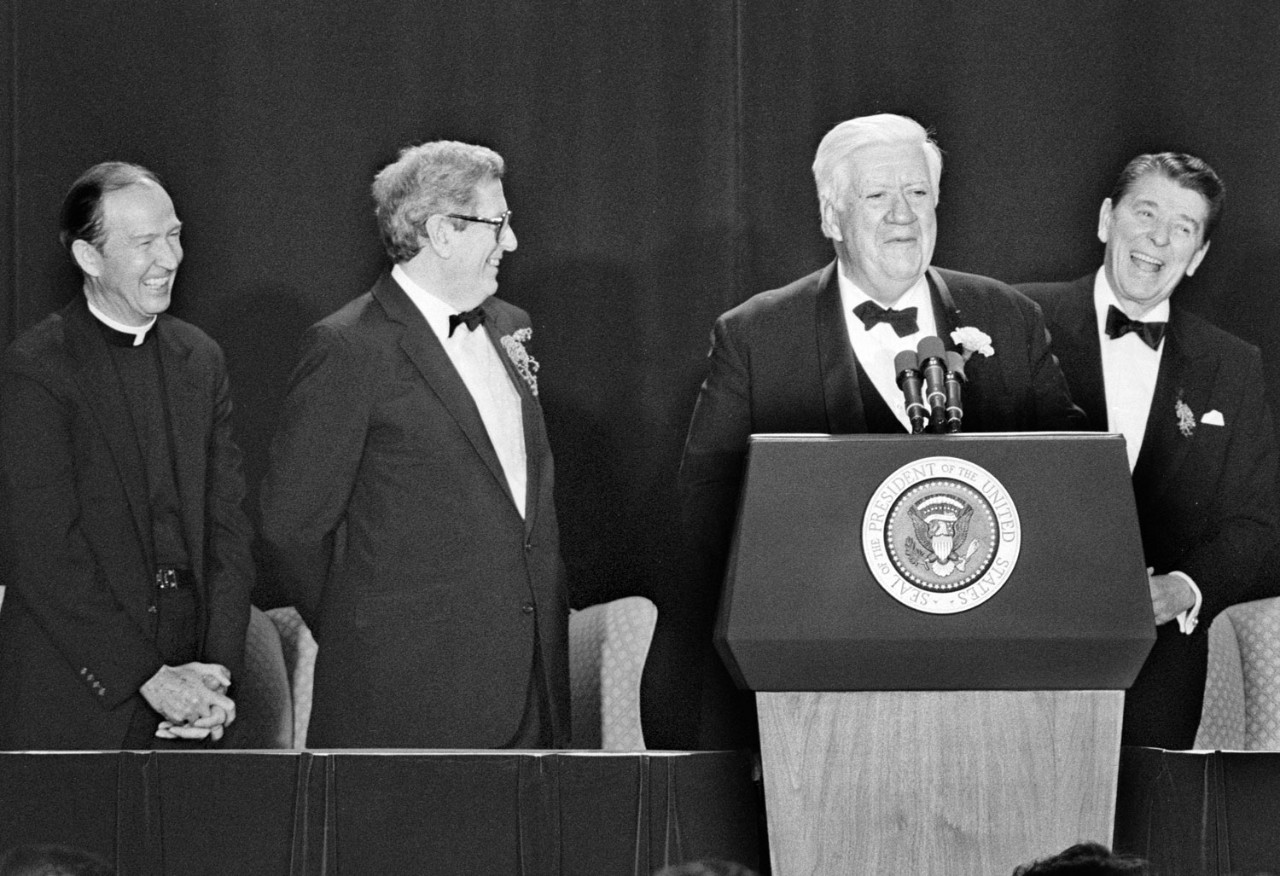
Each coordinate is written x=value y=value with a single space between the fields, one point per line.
x=939 y=540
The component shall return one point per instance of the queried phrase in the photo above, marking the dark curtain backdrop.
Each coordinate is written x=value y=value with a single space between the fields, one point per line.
x=658 y=156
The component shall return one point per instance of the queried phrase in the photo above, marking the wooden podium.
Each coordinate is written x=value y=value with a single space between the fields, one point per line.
x=939 y=631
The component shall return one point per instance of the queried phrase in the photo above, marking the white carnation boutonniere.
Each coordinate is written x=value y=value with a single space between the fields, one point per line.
x=526 y=365
x=1186 y=418
x=973 y=340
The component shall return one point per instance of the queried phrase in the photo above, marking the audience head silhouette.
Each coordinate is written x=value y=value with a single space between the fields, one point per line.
x=1085 y=859
x=52 y=860
x=706 y=867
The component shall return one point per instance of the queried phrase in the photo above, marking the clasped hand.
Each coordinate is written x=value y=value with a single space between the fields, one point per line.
x=192 y=698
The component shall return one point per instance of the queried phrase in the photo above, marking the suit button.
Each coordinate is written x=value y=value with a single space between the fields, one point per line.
x=527 y=608
x=528 y=546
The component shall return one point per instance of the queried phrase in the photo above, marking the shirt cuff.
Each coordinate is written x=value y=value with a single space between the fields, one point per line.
x=1188 y=619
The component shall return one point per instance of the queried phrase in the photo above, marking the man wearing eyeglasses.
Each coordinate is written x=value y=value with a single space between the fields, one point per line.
x=408 y=507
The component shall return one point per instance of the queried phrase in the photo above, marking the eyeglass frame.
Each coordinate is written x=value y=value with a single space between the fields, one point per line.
x=501 y=223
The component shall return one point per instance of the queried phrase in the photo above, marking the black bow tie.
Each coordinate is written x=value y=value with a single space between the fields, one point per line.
x=1119 y=325
x=472 y=317
x=903 y=321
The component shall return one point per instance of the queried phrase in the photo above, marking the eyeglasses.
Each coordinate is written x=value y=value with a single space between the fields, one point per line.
x=499 y=223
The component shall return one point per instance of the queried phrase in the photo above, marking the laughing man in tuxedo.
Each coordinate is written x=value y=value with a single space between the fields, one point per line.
x=408 y=506
x=1190 y=401
x=818 y=355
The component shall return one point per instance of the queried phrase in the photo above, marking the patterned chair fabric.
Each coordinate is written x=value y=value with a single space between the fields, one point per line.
x=608 y=644
x=299 y=649
x=264 y=704
x=1242 y=691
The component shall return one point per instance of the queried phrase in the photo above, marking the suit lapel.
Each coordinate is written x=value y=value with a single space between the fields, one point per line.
x=1077 y=339
x=1183 y=383
x=428 y=356
x=188 y=412
x=840 y=390
x=948 y=317
x=104 y=396
x=946 y=314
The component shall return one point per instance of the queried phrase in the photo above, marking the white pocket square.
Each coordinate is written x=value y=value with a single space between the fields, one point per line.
x=1213 y=418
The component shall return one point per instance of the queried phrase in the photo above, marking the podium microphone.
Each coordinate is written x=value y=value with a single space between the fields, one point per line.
x=955 y=380
x=904 y=365
x=933 y=365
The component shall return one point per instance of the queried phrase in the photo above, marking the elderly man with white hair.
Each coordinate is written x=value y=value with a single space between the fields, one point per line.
x=818 y=354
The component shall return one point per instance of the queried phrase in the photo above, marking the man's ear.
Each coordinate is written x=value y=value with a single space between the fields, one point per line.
x=1196 y=259
x=830 y=221
x=87 y=257
x=438 y=236
x=1104 y=221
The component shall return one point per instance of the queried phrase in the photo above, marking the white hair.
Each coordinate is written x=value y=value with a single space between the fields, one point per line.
x=831 y=163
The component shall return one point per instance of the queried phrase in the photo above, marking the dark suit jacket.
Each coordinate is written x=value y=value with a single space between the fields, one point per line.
x=387 y=516
x=76 y=634
x=782 y=362
x=1205 y=501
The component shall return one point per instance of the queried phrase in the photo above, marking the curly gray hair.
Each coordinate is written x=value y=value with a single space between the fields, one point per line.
x=436 y=177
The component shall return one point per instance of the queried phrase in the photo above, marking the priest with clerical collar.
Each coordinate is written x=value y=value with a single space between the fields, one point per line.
x=129 y=573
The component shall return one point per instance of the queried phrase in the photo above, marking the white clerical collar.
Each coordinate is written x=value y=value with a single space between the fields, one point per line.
x=139 y=332
x=1104 y=296
x=917 y=295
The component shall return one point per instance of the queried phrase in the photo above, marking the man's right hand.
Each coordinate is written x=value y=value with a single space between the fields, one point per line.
x=192 y=694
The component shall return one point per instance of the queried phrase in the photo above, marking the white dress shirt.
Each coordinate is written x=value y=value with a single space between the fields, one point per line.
x=478 y=364
x=1129 y=369
x=876 y=347
x=1129 y=372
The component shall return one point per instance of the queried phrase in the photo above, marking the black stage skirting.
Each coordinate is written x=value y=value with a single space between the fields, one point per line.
x=327 y=813
x=1200 y=813
x=305 y=813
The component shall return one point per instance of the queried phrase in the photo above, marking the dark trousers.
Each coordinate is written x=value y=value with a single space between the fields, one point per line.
x=535 y=729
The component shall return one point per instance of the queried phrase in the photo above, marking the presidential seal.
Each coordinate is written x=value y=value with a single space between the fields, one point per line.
x=941 y=535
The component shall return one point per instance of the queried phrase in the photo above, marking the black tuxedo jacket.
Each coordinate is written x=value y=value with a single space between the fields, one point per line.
x=782 y=362
x=387 y=516
x=1205 y=496
x=77 y=638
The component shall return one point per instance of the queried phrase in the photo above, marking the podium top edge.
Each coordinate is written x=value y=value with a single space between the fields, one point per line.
x=811 y=437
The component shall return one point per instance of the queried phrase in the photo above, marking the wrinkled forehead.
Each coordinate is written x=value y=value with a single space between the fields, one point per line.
x=1171 y=195
x=895 y=158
